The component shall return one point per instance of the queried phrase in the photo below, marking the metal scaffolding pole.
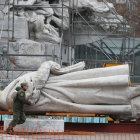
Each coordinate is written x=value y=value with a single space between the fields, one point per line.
x=124 y=32
x=13 y=7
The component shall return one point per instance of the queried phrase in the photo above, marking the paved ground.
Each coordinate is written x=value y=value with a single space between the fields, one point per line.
x=96 y=136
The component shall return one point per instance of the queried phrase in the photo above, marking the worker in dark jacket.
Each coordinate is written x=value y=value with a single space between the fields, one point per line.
x=18 y=106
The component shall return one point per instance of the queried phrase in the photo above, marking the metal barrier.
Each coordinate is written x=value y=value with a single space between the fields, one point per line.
x=26 y=134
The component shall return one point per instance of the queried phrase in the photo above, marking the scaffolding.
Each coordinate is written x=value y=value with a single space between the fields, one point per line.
x=114 y=45
x=103 y=49
x=10 y=38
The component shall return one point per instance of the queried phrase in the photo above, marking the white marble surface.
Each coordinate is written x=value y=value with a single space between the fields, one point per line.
x=56 y=89
x=20 y=27
x=38 y=125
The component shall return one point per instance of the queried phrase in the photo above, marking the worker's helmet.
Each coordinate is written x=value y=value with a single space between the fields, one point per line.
x=24 y=84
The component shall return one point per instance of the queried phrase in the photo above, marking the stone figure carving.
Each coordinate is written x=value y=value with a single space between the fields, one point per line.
x=45 y=22
x=72 y=89
x=41 y=29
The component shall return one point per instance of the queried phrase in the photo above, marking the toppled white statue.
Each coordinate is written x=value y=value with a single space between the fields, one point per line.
x=72 y=89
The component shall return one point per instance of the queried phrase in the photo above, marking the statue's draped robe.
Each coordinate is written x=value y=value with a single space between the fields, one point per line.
x=71 y=89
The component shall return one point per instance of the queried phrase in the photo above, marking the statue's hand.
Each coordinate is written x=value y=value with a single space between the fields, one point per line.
x=32 y=102
x=34 y=97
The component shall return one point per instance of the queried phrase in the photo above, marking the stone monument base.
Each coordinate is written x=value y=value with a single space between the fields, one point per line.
x=38 y=125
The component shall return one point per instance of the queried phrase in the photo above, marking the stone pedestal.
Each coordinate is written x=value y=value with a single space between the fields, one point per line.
x=38 y=125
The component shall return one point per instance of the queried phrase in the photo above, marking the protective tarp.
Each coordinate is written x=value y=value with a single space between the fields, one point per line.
x=71 y=89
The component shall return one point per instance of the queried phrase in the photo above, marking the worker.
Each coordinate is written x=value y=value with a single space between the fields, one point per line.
x=18 y=106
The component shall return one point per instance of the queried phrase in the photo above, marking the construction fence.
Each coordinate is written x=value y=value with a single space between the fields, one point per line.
x=26 y=134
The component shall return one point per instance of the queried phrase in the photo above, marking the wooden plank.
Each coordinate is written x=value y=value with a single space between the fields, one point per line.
x=51 y=133
x=70 y=114
x=6 y=113
x=117 y=121
x=55 y=114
